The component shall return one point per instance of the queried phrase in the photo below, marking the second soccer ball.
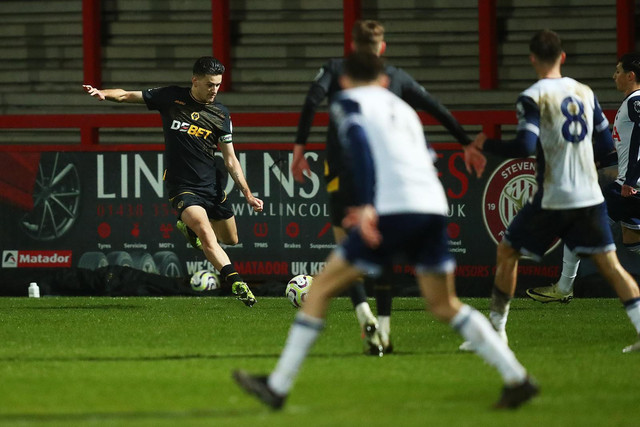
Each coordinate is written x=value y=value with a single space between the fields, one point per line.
x=297 y=289
x=204 y=280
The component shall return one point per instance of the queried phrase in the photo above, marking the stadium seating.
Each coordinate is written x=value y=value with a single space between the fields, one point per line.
x=277 y=47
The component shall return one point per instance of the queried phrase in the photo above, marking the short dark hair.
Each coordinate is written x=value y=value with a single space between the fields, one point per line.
x=363 y=67
x=631 y=62
x=367 y=35
x=207 y=65
x=546 y=46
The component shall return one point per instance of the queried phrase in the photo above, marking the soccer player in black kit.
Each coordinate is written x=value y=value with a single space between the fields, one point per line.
x=194 y=126
x=368 y=37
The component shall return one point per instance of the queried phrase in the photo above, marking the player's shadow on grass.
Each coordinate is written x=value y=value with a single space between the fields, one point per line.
x=116 y=417
x=176 y=357
x=134 y=358
x=79 y=307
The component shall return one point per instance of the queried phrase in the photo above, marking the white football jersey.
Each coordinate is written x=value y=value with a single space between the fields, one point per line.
x=406 y=180
x=626 y=136
x=562 y=113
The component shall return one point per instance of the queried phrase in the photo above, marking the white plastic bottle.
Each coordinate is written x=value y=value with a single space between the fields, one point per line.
x=34 y=290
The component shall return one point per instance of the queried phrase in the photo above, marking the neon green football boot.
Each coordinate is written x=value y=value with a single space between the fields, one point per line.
x=545 y=294
x=189 y=235
x=243 y=293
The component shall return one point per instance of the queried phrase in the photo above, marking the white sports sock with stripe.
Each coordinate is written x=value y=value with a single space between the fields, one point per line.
x=302 y=336
x=633 y=311
x=475 y=328
x=570 y=264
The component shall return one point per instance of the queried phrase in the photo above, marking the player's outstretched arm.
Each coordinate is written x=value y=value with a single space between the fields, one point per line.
x=115 y=95
x=365 y=218
x=235 y=171
x=628 y=191
x=299 y=164
x=316 y=94
x=420 y=99
x=474 y=160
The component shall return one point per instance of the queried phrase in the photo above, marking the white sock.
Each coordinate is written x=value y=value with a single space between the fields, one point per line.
x=633 y=311
x=499 y=320
x=475 y=328
x=384 y=326
x=570 y=264
x=363 y=313
x=302 y=336
x=499 y=309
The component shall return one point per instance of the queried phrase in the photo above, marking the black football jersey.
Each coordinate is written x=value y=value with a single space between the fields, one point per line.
x=326 y=85
x=192 y=132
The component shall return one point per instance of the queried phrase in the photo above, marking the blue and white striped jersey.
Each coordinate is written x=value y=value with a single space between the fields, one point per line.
x=563 y=114
x=626 y=136
x=391 y=163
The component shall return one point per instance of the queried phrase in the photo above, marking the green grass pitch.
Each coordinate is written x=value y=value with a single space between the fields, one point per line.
x=168 y=361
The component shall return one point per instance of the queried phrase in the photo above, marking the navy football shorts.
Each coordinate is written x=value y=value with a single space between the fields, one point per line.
x=584 y=230
x=421 y=238
x=216 y=208
x=341 y=198
x=625 y=210
x=339 y=202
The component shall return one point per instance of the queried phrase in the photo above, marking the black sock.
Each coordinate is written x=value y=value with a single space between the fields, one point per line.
x=230 y=275
x=357 y=292
x=383 y=299
x=499 y=301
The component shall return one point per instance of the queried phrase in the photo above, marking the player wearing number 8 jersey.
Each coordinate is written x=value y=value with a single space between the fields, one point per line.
x=562 y=114
x=557 y=119
x=621 y=196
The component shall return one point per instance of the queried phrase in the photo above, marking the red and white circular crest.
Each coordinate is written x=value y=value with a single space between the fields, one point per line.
x=510 y=186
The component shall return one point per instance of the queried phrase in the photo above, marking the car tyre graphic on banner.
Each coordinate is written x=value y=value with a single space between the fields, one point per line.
x=93 y=260
x=120 y=258
x=168 y=264
x=165 y=263
x=56 y=198
x=144 y=261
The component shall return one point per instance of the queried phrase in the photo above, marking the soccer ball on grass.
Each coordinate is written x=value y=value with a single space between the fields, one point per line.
x=297 y=289
x=204 y=280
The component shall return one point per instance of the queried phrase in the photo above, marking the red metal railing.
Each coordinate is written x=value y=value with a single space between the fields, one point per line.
x=90 y=124
x=626 y=26
x=221 y=39
x=352 y=10
x=487 y=45
x=91 y=42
